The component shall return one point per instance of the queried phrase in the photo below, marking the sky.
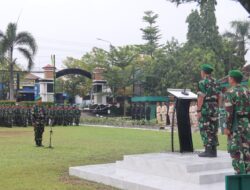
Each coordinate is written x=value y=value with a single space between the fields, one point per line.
x=70 y=28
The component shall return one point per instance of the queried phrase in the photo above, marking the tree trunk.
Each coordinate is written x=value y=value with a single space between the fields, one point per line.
x=11 y=81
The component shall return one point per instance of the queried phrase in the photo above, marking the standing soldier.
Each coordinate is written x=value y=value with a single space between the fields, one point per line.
x=55 y=113
x=72 y=115
x=4 y=115
x=78 y=114
x=142 y=113
x=29 y=116
x=164 y=113
x=148 y=112
x=60 y=115
x=207 y=111
x=133 y=113
x=47 y=113
x=138 y=113
x=65 y=115
x=1 y=115
x=158 y=113
x=38 y=120
x=237 y=104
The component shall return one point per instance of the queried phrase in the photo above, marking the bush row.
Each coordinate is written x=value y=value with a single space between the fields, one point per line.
x=24 y=103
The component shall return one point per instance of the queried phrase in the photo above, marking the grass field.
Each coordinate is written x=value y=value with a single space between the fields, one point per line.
x=26 y=167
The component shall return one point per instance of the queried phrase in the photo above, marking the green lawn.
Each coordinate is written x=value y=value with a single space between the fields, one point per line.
x=26 y=167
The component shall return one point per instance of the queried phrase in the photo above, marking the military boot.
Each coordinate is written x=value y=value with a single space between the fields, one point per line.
x=40 y=143
x=203 y=153
x=209 y=152
x=214 y=151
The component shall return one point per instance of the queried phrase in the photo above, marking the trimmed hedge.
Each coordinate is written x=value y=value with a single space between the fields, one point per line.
x=24 y=103
x=7 y=103
x=32 y=103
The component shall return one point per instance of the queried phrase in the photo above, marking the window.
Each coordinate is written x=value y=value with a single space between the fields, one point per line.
x=97 y=88
x=50 y=88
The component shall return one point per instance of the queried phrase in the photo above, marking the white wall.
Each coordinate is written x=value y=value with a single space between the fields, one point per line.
x=46 y=96
x=78 y=99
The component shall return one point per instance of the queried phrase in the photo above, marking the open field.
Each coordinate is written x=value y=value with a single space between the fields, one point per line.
x=26 y=167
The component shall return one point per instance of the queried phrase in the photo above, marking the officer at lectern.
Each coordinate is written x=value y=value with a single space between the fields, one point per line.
x=207 y=110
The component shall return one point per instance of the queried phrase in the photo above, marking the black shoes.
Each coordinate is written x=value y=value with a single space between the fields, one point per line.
x=39 y=143
x=210 y=152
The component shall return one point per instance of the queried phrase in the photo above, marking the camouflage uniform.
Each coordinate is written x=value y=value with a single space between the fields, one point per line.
x=208 y=123
x=77 y=116
x=237 y=104
x=38 y=120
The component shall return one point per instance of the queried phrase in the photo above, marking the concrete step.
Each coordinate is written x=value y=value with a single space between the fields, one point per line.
x=128 y=180
x=168 y=161
x=160 y=170
x=203 y=177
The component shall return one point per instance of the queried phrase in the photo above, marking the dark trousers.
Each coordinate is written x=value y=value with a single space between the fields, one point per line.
x=39 y=134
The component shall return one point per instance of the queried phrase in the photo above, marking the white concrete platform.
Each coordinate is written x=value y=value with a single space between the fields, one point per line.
x=161 y=171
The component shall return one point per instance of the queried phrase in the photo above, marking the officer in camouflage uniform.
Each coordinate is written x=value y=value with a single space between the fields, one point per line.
x=29 y=117
x=38 y=120
x=77 y=116
x=10 y=116
x=237 y=103
x=207 y=111
x=133 y=113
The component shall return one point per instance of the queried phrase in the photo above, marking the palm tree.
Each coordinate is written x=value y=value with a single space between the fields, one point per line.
x=239 y=37
x=24 y=43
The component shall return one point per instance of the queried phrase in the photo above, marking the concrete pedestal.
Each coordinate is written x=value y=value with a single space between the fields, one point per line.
x=161 y=171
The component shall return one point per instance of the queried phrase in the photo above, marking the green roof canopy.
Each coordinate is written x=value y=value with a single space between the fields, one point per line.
x=150 y=99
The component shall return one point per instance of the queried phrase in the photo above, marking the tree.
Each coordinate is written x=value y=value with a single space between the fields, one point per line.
x=178 y=66
x=203 y=36
x=203 y=30
x=150 y=33
x=194 y=35
x=178 y=2
x=96 y=58
x=162 y=72
x=120 y=70
x=244 y=3
x=4 y=80
x=229 y=56
x=24 y=43
x=210 y=33
x=76 y=84
x=189 y=64
x=240 y=36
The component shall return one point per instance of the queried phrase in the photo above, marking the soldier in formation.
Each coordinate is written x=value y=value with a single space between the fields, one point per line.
x=207 y=111
x=15 y=116
x=64 y=115
x=21 y=116
x=237 y=104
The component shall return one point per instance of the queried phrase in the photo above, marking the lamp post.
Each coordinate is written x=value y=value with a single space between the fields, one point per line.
x=100 y=39
x=107 y=41
x=111 y=46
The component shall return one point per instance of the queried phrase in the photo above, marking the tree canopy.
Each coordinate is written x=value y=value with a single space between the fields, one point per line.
x=244 y=3
x=22 y=42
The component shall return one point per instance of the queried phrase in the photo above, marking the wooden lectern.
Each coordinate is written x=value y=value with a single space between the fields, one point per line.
x=183 y=98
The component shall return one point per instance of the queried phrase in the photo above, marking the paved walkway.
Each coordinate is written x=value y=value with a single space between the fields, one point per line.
x=139 y=127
